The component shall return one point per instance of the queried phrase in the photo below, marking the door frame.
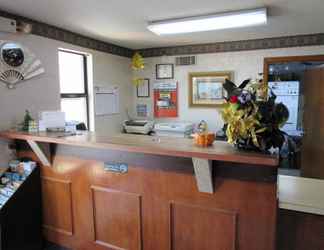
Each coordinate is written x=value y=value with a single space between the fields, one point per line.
x=294 y=198
x=287 y=59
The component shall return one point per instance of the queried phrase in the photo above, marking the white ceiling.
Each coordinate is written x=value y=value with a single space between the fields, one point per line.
x=123 y=22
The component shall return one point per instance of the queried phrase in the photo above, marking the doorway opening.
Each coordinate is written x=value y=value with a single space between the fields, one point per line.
x=298 y=82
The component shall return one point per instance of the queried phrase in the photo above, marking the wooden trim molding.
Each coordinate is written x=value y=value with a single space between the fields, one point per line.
x=287 y=59
x=117 y=200
x=61 y=188
x=255 y=44
x=182 y=216
x=56 y=33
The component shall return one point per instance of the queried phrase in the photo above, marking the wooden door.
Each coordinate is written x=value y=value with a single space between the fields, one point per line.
x=313 y=141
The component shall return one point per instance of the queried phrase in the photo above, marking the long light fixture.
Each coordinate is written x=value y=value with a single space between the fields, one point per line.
x=210 y=22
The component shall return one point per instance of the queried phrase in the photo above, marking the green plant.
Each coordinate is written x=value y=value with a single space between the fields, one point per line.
x=27 y=119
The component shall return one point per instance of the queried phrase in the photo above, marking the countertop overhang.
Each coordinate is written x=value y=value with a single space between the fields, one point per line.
x=169 y=146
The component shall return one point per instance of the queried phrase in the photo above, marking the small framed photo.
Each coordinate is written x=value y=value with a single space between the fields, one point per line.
x=143 y=89
x=206 y=89
x=164 y=71
x=141 y=110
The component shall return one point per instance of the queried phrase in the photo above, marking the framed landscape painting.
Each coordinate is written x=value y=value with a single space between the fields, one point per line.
x=206 y=88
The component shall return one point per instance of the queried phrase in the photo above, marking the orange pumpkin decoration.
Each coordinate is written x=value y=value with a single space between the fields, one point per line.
x=204 y=139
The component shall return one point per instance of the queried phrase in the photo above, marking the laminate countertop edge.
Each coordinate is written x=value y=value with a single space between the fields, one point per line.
x=178 y=147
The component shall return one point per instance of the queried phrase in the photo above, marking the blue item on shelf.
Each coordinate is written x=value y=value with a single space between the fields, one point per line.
x=16 y=177
x=8 y=175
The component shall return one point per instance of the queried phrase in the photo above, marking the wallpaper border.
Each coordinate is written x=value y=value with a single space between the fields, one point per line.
x=244 y=45
x=53 y=32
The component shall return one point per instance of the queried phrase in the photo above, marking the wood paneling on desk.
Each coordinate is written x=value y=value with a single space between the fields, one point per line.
x=154 y=207
x=300 y=231
x=156 y=204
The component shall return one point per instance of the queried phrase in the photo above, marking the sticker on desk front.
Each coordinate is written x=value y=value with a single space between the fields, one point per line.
x=116 y=167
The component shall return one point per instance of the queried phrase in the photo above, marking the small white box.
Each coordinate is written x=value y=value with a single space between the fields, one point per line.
x=52 y=119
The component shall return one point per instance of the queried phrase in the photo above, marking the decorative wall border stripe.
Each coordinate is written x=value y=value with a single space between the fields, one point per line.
x=256 y=44
x=53 y=32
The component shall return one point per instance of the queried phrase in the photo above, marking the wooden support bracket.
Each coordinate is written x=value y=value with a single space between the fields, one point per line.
x=39 y=152
x=204 y=177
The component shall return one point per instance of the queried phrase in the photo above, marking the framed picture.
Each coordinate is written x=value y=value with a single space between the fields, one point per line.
x=141 y=110
x=143 y=89
x=206 y=88
x=164 y=71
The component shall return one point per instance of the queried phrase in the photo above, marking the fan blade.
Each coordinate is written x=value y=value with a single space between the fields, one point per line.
x=35 y=73
x=36 y=64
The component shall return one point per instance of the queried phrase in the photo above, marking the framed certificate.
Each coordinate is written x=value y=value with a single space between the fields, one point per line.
x=164 y=71
x=143 y=89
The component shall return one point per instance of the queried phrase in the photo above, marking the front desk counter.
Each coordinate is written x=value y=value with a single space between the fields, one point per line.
x=139 y=192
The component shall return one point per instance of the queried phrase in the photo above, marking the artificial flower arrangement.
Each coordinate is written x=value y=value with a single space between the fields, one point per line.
x=252 y=117
x=137 y=66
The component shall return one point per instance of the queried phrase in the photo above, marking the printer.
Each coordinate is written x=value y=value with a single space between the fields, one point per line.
x=174 y=129
x=138 y=127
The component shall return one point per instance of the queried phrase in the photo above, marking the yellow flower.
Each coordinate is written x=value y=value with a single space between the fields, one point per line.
x=137 y=62
x=241 y=123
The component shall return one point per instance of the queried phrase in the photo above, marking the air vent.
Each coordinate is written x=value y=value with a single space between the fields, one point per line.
x=185 y=60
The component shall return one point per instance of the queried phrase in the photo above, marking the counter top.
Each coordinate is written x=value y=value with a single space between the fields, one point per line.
x=179 y=147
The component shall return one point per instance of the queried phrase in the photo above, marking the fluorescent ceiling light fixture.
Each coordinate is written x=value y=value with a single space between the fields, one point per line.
x=221 y=21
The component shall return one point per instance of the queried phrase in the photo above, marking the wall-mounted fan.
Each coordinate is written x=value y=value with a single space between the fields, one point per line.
x=17 y=64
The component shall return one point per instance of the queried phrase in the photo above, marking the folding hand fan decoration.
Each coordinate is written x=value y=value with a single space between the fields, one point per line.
x=17 y=64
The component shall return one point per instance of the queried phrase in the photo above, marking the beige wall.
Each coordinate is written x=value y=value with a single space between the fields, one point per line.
x=245 y=64
x=42 y=93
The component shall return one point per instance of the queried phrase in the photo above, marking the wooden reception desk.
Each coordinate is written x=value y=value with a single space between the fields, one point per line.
x=139 y=192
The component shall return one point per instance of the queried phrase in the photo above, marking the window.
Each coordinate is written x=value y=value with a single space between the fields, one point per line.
x=74 y=86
